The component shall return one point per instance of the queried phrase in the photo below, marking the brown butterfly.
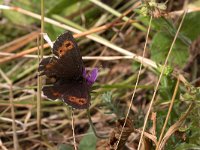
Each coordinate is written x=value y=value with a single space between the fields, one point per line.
x=72 y=84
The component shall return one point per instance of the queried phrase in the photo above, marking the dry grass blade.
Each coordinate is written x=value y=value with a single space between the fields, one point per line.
x=104 y=58
x=2 y=146
x=95 y=38
x=116 y=13
x=39 y=79
x=34 y=49
x=124 y=25
x=159 y=79
x=168 y=114
x=21 y=54
x=19 y=42
x=138 y=76
x=153 y=118
x=180 y=12
x=51 y=21
x=149 y=136
x=15 y=138
x=175 y=127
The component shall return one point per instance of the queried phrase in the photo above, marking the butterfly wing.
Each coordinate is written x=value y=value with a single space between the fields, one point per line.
x=51 y=67
x=74 y=93
x=77 y=95
x=67 y=61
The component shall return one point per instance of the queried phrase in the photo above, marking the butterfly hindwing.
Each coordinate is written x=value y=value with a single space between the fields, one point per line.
x=77 y=95
x=74 y=93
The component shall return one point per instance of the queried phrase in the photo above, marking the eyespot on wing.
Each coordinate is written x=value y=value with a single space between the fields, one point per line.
x=65 y=47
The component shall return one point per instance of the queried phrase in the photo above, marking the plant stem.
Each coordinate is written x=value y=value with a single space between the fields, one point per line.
x=93 y=128
x=39 y=78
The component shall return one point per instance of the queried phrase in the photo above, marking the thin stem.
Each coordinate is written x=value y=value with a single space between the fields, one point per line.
x=137 y=81
x=93 y=128
x=39 y=78
x=15 y=139
x=168 y=113
x=73 y=131
x=159 y=79
x=9 y=82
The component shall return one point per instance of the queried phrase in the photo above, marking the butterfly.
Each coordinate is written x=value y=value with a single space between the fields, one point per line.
x=71 y=82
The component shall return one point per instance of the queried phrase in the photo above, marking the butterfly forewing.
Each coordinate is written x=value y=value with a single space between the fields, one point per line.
x=67 y=63
x=66 y=49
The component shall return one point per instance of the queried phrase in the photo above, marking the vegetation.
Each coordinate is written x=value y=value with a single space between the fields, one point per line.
x=147 y=92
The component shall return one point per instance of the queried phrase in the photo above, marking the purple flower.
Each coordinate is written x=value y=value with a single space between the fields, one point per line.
x=91 y=77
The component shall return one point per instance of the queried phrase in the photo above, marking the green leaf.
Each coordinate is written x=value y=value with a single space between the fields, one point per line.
x=161 y=45
x=60 y=5
x=191 y=25
x=88 y=142
x=18 y=18
x=167 y=87
x=163 y=39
